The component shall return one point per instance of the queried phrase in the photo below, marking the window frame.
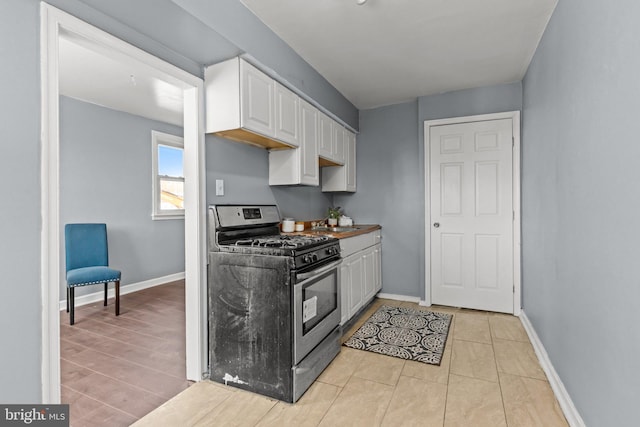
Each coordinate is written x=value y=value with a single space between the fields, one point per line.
x=169 y=140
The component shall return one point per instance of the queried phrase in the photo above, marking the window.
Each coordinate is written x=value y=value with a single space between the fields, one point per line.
x=168 y=176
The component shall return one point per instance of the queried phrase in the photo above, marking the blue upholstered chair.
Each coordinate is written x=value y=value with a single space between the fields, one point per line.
x=87 y=258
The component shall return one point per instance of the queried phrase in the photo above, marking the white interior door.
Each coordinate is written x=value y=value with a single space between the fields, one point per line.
x=471 y=199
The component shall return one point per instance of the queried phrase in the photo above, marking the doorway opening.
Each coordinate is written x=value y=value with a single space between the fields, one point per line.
x=55 y=24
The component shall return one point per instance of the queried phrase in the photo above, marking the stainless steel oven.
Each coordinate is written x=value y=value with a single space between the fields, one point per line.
x=316 y=306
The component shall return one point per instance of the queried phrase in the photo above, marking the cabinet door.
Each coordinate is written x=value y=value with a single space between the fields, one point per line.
x=325 y=136
x=309 y=173
x=345 y=291
x=257 y=103
x=350 y=161
x=355 y=296
x=287 y=115
x=377 y=261
x=338 y=143
x=369 y=269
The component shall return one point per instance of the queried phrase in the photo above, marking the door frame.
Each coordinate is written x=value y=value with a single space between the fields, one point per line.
x=52 y=21
x=428 y=124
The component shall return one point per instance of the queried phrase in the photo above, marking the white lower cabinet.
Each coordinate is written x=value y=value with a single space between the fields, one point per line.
x=360 y=272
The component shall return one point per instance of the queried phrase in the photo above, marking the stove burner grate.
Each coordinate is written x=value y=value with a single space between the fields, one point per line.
x=285 y=242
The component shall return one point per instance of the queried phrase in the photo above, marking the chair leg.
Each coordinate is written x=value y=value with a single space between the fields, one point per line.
x=67 y=299
x=117 y=297
x=106 y=289
x=71 y=304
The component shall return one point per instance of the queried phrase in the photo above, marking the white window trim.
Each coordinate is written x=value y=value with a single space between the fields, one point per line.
x=161 y=138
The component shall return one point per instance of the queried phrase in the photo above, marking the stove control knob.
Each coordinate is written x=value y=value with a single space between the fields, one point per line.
x=314 y=257
x=306 y=259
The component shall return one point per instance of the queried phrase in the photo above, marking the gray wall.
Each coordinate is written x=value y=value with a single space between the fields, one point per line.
x=105 y=176
x=580 y=204
x=156 y=26
x=245 y=171
x=388 y=177
x=20 y=311
x=390 y=174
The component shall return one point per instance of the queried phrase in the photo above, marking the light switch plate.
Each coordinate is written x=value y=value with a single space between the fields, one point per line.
x=219 y=187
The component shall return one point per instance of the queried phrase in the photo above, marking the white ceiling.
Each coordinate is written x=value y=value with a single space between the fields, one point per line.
x=390 y=51
x=94 y=74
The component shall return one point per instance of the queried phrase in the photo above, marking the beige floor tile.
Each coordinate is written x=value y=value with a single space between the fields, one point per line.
x=471 y=327
x=343 y=366
x=473 y=359
x=473 y=402
x=517 y=358
x=416 y=403
x=530 y=403
x=507 y=328
x=379 y=368
x=189 y=406
x=427 y=372
x=308 y=411
x=241 y=409
x=360 y=403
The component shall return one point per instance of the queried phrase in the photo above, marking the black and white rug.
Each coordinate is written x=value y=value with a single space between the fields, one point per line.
x=406 y=333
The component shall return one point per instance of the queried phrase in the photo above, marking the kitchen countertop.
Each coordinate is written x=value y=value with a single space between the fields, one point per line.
x=357 y=230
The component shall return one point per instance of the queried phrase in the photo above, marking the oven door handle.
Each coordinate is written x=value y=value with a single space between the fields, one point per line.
x=317 y=272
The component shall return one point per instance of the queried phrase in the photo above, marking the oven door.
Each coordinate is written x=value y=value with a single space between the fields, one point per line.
x=316 y=307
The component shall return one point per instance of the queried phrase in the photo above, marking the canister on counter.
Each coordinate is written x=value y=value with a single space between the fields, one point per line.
x=299 y=226
x=288 y=225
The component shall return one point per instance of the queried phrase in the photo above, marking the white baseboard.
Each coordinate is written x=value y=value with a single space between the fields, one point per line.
x=398 y=297
x=568 y=408
x=126 y=289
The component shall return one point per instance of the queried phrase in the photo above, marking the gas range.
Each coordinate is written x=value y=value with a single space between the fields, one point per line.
x=274 y=302
x=254 y=230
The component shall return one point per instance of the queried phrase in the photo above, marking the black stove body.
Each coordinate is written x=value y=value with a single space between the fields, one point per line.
x=274 y=304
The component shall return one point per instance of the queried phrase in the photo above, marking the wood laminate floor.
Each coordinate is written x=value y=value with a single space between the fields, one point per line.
x=115 y=370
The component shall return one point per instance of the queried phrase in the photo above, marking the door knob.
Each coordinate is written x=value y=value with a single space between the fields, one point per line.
x=436 y=224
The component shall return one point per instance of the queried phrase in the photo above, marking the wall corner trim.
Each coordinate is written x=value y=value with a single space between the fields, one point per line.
x=568 y=408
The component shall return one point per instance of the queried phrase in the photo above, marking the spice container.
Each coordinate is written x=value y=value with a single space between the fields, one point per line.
x=299 y=226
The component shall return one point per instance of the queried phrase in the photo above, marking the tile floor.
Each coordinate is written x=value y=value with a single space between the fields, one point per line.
x=489 y=377
x=115 y=370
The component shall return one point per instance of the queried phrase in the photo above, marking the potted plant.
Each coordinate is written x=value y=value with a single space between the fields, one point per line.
x=334 y=214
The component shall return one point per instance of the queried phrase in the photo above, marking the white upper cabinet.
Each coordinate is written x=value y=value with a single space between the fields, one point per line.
x=350 y=159
x=298 y=166
x=330 y=141
x=339 y=143
x=325 y=137
x=247 y=105
x=241 y=105
x=287 y=115
x=310 y=173
x=257 y=93
x=342 y=178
